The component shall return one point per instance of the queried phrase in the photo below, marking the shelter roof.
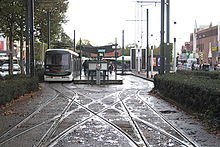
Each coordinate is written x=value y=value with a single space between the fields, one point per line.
x=94 y=49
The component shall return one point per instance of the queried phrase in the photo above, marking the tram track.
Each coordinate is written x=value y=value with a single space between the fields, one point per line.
x=26 y=119
x=134 y=124
x=56 y=120
x=56 y=123
x=145 y=142
x=189 y=142
x=94 y=114
x=118 y=101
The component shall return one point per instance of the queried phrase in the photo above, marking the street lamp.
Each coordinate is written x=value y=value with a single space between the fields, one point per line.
x=30 y=34
x=162 y=57
x=174 y=58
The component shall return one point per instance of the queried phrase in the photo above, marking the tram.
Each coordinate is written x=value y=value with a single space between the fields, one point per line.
x=61 y=65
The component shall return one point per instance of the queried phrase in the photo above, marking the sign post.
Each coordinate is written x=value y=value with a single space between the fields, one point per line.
x=101 y=53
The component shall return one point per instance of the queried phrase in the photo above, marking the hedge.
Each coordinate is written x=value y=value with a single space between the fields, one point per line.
x=197 y=91
x=15 y=86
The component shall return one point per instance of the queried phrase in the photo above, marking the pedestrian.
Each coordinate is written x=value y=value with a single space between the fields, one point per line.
x=85 y=67
x=110 y=68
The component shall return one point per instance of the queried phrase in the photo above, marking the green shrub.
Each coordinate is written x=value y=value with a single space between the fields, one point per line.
x=198 y=91
x=14 y=86
x=40 y=74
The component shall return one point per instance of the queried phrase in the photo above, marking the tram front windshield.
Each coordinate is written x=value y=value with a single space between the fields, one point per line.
x=58 y=60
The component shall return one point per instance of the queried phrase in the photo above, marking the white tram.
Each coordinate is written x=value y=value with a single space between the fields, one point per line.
x=61 y=65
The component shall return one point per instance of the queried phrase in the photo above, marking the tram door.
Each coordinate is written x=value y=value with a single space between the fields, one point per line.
x=138 y=59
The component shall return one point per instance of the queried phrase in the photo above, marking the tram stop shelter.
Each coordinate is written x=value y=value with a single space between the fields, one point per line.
x=97 y=69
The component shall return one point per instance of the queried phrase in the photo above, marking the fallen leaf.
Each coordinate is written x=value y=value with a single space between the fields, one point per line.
x=9 y=112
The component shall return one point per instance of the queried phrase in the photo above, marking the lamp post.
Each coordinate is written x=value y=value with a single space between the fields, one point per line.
x=48 y=29
x=30 y=34
x=174 y=57
x=168 y=36
x=152 y=61
x=116 y=55
x=162 y=57
x=123 y=52
x=147 y=43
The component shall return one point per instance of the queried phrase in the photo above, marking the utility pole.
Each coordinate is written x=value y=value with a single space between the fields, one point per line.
x=162 y=59
x=27 y=35
x=147 y=43
x=80 y=47
x=123 y=52
x=152 y=61
x=48 y=29
x=116 y=54
x=74 y=41
x=32 y=65
x=174 y=58
x=168 y=37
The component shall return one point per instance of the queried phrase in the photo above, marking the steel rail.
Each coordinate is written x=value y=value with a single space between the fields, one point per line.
x=135 y=125
x=30 y=116
x=68 y=130
x=56 y=123
x=181 y=133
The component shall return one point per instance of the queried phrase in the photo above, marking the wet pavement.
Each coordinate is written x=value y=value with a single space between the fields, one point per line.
x=72 y=115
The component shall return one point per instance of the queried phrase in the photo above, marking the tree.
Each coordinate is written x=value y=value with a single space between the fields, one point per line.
x=56 y=12
x=11 y=13
x=128 y=48
x=66 y=39
x=84 y=42
x=12 y=22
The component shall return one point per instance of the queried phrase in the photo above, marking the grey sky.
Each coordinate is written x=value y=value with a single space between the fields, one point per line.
x=100 y=21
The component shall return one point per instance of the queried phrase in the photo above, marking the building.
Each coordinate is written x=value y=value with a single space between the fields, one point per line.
x=204 y=44
x=4 y=47
x=186 y=48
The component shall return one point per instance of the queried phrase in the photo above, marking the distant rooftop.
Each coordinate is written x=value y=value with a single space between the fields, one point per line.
x=203 y=27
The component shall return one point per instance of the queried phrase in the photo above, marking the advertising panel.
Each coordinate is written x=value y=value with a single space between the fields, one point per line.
x=1 y=45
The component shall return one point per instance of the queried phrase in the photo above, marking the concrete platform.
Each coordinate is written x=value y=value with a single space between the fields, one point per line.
x=102 y=82
x=109 y=79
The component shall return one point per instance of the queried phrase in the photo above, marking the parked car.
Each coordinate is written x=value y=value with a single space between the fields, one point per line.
x=217 y=67
x=4 y=69
x=187 y=66
x=205 y=67
x=197 y=66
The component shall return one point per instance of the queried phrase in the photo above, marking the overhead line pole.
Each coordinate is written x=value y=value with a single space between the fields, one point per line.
x=123 y=52
x=30 y=35
x=27 y=21
x=147 y=43
x=168 y=36
x=116 y=55
x=32 y=64
x=162 y=59
x=74 y=41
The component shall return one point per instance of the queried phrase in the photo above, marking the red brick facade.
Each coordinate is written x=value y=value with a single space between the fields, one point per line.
x=207 y=45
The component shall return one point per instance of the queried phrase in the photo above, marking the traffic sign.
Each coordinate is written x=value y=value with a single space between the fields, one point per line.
x=101 y=51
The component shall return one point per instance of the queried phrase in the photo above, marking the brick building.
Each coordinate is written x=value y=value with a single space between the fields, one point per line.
x=207 y=41
x=186 y=48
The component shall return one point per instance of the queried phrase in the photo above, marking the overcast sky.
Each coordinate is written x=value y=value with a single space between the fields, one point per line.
x=101 y=21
